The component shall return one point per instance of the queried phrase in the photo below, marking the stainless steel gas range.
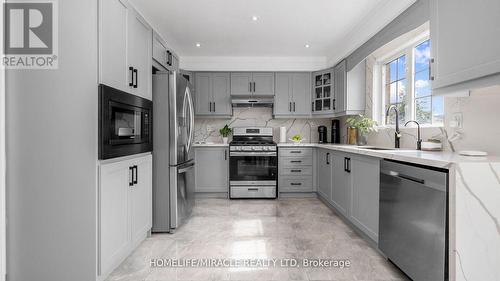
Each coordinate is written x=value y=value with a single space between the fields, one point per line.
x=253 y=163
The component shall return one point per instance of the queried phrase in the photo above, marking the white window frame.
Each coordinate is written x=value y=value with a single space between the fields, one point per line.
x=379 y=93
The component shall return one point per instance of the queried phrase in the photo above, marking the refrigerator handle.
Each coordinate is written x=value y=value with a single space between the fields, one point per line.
x=191 y=119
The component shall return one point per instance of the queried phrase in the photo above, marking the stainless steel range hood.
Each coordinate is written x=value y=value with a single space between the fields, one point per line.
x=253 y=102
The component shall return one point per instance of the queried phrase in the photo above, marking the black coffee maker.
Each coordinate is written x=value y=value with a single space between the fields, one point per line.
x=323 y=134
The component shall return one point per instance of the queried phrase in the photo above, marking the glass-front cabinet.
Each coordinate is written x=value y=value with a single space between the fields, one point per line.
x=323 y=100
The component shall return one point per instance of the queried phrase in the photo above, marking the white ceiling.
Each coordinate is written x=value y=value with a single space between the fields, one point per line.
x=225 y=28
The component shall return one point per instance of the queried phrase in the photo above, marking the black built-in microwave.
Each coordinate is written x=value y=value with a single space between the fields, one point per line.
x=125 y=123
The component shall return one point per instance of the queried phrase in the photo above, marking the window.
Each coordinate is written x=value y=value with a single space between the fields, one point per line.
x=406 y=80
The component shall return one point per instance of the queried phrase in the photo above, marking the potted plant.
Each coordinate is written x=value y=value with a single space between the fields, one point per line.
x=224 y=132
x=363 y=126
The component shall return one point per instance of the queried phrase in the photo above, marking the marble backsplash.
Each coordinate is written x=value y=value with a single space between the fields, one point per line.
x=207 y=130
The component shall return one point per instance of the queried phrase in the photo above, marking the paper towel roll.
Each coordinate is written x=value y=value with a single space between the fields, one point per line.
x=282 y=134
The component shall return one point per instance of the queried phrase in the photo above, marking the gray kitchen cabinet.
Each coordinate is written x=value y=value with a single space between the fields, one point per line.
x=364 y=209
x=324 y=173
x=263 y=83
x=125 y=209
x=340 y=87
x=452 y=23
x=125 y=47
x=212 y=94
x=295 y=169
x=163 y=55
x=341 y=185
x=241 y=84
x=292 y=94
x=252 y=83
x=323 y=96
x=349 y=88
x=212 y=169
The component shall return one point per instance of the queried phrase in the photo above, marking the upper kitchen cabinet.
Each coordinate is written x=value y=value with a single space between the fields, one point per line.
x=125 y=48
x=252 y=83
x=293 y=94
x=465 y=41
x=349 y=89
x=163 y=55
x=212 y=94
x=323 y=100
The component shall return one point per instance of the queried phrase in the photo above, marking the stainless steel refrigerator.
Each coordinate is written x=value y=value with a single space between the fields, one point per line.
x=173 y=155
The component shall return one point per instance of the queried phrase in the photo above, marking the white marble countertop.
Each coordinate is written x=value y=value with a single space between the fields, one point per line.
x=209 y=144
x=439 y=159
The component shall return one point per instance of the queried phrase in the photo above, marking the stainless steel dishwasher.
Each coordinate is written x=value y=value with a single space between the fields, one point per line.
x=413 y=219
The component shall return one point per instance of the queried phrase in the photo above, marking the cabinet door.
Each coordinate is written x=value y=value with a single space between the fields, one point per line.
x=139 y=54
x=212 y=169
x=341 y=183
x=465 y=40
x=141 y=199
x=282 y=99
x=340 y=84
x=365 y=195
x=203 y=93
x=240 y=83
x=325 y=173
x=159 y=51
x=263 y=83
x=114 y=234
x=113 y=67
x=221 y=93
x=301 y=92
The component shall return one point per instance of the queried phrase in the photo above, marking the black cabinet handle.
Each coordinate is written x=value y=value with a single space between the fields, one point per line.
x=225 y=154
x=250 y=86
x=295 y=171
x=131 y=176
x=328 y=158
x=347 y=164
x=295 y=151
x=296 y=161
x=293 y=106
x=290 y=106
x=131 y=83
x=334 y=104
x=136 y=178
x=253 y=189
x=169 y=58
x=210 y=106
x=136 y=71
x=214 y=106
x=295 y=183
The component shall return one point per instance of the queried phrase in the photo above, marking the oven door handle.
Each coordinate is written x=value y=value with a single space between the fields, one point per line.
x=252 y=154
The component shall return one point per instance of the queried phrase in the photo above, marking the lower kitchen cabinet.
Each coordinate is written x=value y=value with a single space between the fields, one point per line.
x=341 y=185
x=125 y=209
x=324 y=173
x=212 y=169
x=350 y=184
x=364 y=210
x=295 y=169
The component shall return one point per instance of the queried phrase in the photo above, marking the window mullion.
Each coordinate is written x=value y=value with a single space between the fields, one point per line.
x=410 y=94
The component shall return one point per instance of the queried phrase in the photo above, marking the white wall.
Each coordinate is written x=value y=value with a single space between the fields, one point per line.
x=52 y=155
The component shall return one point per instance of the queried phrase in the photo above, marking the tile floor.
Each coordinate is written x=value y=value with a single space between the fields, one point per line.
x=246 y=229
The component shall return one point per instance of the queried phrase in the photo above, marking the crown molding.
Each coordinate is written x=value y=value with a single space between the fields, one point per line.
x=218 y=63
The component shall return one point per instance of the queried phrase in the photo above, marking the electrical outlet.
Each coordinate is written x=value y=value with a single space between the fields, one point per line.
x=457 y=120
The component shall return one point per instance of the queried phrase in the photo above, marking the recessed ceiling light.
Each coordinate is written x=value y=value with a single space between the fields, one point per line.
x=198 y=45
x=307 y=46
x=255 y=18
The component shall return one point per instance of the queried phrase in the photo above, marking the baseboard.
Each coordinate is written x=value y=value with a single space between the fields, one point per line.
x=202 y=195
x=298 y=195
